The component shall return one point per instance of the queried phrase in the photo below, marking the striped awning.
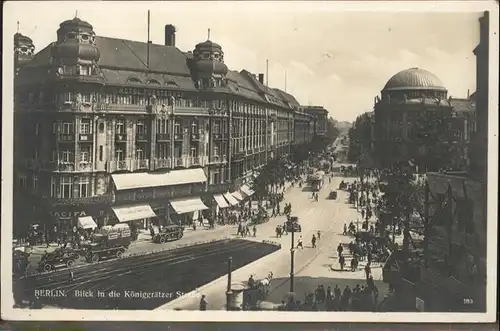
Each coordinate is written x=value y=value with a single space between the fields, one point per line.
x=221 y=202
x=238 y=195
x=133 y=212
x=232 y=201
x=187 y=205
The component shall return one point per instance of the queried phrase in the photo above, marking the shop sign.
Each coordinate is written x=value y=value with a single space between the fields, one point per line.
x=74 y=214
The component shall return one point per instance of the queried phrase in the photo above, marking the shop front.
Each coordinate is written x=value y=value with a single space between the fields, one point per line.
x=186 y=210
x=137 y=216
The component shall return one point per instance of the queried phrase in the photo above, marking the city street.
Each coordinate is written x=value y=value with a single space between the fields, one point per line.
x=313 y=266
x=143 y=282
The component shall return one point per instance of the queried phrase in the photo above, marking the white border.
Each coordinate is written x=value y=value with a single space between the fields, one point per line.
x=8 y=313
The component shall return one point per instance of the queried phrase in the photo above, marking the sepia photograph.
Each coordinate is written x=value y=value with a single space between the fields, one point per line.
x=294 y=161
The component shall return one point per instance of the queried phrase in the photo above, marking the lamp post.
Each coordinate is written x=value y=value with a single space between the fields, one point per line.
x=292 y=253
x=229 y=293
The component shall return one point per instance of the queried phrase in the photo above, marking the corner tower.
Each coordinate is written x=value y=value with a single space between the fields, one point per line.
x=209 y=67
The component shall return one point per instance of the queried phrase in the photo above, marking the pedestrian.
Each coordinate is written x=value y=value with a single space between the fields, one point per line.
x=368 y=271
x=71 y=276
x=299 y=243
x=319 y=235
x=203 y=303
x=345 y=230
x=254 y=230
x=342 y=262
x=285 y=229
x=329 y=298
x=340 y=249
x=313 y=241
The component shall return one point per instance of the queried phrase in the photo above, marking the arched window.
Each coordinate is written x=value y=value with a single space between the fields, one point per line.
x=153 y=82
x=194 y=126
x=134 y=80
x=101 y=127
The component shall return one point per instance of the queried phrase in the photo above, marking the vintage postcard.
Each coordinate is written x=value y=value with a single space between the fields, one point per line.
x=250 y=161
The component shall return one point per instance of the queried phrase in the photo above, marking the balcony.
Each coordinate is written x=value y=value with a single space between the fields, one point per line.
x=121 y=107
x=217 y=136
x=163 y=163
x=85 y=166
x=66 y=137
x=178 y=136
x=106 y=199
x=142 y=164
x=179 y=162
x=163 y=137
x=120 y=165
x=79 y=78
x=85 y=138
x=63 y=166
x=143 y=137
x=218 y=159
x=120 y=138
x=192 y=161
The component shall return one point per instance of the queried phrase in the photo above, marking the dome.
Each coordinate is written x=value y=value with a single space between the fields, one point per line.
x=414 y=79
x=75 y=22
x=22 y=39
x=209 y=66
x=207 y=46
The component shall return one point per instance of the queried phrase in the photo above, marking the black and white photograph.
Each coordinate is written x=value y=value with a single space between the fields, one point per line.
x=284 y=159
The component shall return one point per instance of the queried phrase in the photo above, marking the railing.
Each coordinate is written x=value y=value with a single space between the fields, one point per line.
x=80 y=78
x=66 y=137
x=217 y=136
x=122 y=165
x=120 y=137
x=178 y=136
x=94 y=200
x=64 y=166
x=73 y=106
x=85 y=166
x=120 y=107
x=195 y=136
x=141 y=137
x=219 y=188
x=118 y=165
x=85 y=137
x=141 y=164
x=163 y=163
x=179 y=162
x=162 y=137
x=218 y=158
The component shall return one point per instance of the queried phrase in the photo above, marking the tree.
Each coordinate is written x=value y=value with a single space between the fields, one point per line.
x=360 y=138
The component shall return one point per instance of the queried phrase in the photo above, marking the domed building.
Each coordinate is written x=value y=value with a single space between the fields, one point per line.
x=416 y=122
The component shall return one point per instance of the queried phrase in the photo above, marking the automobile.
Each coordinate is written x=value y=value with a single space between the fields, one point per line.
x=332 y=195
x=168 y=233
x=59 y=258
x=109 y=242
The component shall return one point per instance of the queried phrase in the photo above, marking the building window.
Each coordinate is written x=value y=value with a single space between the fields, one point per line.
x=66 y=156
x=216 y=128
x=22 y=181
x=66 y=187
x=162 y=126
x=120 y=126
x=119 y=155
x=53 y=187
x=177 y=127
x=139 y=154
x=35 y=182
x=83 y=187
x=67 y=128
x=101 y=127
x=163 y=151
x=85 y=126
x=194 y=127
x=216 y=150
x=101 y=153
x=194 y=152
x=85 y=155
x=86 y=97
x=141 y=127
x=55 y=126
x=84 y=71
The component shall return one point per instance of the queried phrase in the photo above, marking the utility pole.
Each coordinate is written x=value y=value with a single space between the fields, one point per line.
x=427 y=223
x=292 y=253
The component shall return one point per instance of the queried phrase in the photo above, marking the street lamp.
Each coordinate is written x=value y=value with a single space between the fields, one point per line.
x=292 y=253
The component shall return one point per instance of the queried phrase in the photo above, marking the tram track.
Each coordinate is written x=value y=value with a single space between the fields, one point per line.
x=173 y=272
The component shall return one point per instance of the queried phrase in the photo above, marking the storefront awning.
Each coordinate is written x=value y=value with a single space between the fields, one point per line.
x=133 y=212
x=247 y=190
x=221 y=202
x=86 y=222
x=187 y=205
x=232 y=201
x=238 y=195
x=144 y=180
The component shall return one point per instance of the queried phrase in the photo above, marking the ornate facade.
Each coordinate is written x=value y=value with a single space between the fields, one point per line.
x=88 y=108
x=416 y=121
x=321 y=115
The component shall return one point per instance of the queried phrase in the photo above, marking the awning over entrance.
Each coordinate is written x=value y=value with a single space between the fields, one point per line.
x=144 y=180
x=238 y=195
x=247 y=190
x=133 y=212
x=221 y=202
x=86 y=222
x=232 y=201
x=187 y=205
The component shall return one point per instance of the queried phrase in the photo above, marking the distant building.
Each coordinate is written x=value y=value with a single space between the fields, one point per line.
x=417 y=122
x=321 y=115
x=102 y=123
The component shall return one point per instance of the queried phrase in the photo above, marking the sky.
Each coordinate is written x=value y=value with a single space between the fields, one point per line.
x=331 y=57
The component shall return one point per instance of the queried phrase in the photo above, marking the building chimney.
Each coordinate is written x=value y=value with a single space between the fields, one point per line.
x=261 y=79
x=170 y=35
x=468 y=94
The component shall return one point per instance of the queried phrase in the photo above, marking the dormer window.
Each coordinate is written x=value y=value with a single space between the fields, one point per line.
x=206 y=55
x=85 y=37
x=71 y=36
x=24 y=49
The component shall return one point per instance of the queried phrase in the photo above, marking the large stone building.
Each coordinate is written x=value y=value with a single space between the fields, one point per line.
x=321 y=115
x=417 y=122
x=123 y=130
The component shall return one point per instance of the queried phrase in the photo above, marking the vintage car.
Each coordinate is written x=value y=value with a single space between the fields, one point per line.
x=168 y=233
x=59 y=258
x=332 y=195
x=20 y=260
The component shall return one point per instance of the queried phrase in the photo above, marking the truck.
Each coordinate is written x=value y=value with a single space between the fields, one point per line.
x=109 y=242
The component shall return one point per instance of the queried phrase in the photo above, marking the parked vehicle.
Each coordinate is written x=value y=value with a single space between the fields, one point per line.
x=59 y=258
x=332 y=195
x=19 y=261
x=111 y=241
x=168 y=233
